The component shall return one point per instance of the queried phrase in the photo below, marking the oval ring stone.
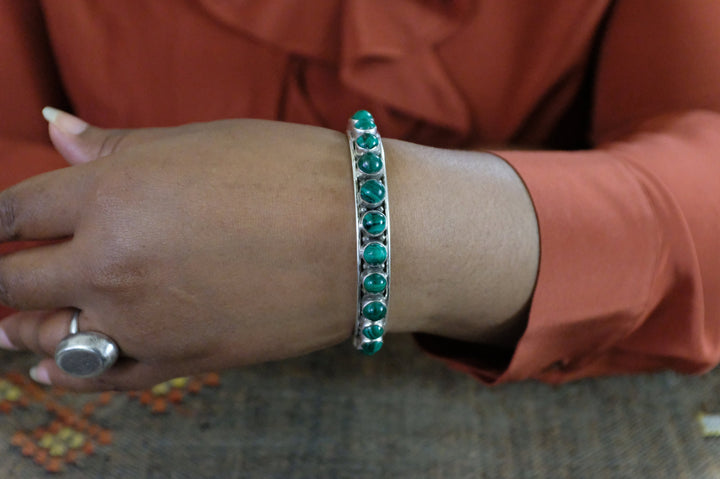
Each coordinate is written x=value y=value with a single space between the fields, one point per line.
x=372 y=192
x=370 y=163
x=375 y=253
x=375 y=283
x=367 y=141
x=374 y=311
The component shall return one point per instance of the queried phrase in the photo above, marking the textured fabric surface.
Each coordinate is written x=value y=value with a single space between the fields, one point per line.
x=338 y=415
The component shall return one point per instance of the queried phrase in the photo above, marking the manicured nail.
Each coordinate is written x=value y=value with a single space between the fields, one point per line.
x=39 y=375
x=66 y=122
x=5 y=341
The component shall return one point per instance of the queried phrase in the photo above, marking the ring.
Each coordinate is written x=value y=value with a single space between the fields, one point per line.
x=85 y=355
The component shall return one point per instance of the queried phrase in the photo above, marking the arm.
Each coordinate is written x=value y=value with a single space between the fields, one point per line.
x=260 y=263
x=629 y=271
x=426 y=286
x=623 y=278
x=467 y=245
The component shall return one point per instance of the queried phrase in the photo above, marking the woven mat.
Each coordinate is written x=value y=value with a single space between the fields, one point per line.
x=335 y=414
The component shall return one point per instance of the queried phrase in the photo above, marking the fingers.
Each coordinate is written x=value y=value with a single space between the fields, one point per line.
x=42 y=331
x=47 y=206
x=79 y=142
x=45 y=277
x=37 y=331
x=127 y=374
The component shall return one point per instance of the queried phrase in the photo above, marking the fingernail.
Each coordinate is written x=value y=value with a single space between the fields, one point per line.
x=5 y=341
x=66 y=122
x=39 y=375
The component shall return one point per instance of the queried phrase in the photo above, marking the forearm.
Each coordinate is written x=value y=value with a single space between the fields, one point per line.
x=257 y=240
x=465 y=244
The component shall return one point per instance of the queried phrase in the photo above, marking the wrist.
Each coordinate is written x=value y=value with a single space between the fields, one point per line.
x=465 y=244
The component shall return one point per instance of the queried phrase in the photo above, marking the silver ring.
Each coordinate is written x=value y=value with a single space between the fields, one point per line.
x=85 y=355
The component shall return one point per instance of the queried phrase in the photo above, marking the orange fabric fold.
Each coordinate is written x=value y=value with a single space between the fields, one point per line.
x=639 y=292
x=366 y=40
x=628 y=227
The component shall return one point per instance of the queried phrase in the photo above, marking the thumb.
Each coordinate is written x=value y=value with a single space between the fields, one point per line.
x=77 y=140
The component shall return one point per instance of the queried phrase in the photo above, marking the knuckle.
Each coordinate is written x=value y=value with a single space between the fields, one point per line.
x=114 y=259
x=47 y=335
x=111 y=143
x=5 y=297
x=8 y=284
x=114 y=188
x=112 y=271
x=8 y=216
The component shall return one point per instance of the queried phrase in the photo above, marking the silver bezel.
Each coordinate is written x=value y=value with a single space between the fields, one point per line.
x=97 y=346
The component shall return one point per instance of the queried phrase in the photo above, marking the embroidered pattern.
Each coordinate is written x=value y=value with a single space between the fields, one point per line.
x=69 y=432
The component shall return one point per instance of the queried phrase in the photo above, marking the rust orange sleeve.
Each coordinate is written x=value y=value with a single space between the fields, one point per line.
x=629 y=272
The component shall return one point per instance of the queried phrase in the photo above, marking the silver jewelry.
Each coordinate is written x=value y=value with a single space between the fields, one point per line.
x=372 y=226
x=85 y=355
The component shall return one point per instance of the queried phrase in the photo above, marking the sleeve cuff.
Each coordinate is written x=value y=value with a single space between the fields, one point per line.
x=597 y=261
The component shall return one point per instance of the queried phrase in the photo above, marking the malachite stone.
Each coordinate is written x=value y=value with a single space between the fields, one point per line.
x=371 y=347
x=375 y=253
x=370 y=163
x=367 y=141
x=374 y=311
x=375 y=283
x=362 y=115
x=374 y=222
x=372 y=191
x=374 y=331
x=364 y=124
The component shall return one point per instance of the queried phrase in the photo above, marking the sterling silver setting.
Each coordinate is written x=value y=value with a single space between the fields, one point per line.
x=85 y=354
x=369 y=345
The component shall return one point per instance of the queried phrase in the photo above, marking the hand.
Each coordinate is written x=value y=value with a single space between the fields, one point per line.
x=196 y=248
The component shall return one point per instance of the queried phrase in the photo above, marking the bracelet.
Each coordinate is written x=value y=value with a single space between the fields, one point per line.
x=372 y=223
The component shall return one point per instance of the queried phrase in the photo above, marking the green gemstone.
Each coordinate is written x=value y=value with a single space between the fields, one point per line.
x=364 y=124
x=375 y=253
x=362 y=115
x=372 y=191
x=374 y=222
x=367 y=141
x=374 y=283
x=374 y=331
x=370 y=163
x=374 y=311
x=371 y=347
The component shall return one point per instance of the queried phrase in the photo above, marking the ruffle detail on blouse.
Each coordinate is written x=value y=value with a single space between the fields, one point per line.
x=375 y=45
